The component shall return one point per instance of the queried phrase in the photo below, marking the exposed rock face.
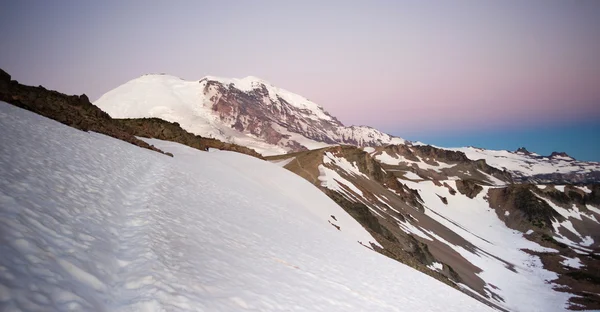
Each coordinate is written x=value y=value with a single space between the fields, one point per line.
x=431 y=156
x=263 y=112
x=171 y=131
x=560 y=154
x=537 y=212
x=4 y=77
x=580 y=177
x=523 y=150
x=468 y=188
x=427 y=151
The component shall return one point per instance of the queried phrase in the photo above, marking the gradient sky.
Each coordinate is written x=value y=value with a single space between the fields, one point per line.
x=495 y=74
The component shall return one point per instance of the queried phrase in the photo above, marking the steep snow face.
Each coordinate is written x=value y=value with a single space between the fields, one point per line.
x=537 y=168
x=91 y=223
x=247 y=111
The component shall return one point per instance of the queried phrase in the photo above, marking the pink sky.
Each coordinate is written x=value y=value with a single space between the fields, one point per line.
x=401 y=66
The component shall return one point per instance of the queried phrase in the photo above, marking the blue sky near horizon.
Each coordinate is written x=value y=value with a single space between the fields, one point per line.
x=543 y=140
x=497 y=74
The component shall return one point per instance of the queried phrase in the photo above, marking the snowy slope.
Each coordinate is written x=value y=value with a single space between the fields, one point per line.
x=494 y=249
x=248 y=111
x=524 y=165
x=510 y=272
x=91 y=223
x=517 y=279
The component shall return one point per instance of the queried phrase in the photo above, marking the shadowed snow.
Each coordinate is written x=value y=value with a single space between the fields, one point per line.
x=91 y=223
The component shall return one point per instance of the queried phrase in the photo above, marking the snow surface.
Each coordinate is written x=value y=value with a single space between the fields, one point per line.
x=477 y=223
x=386 y=158
x=567 y=224
x=91 y=223
x=436 y=266
x=342 y=163
x=525 y=165
x=584 y=189
x=412 y=176
x=332 y=180
x=572 y=262
x=283 y=162
x=369 y=149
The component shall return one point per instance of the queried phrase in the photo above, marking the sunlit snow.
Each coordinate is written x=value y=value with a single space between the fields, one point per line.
x=572 y=262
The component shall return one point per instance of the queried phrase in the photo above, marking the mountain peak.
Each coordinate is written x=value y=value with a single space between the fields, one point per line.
x=246 y=84
x=561 y=155
x=523 y=150
x=248 y=111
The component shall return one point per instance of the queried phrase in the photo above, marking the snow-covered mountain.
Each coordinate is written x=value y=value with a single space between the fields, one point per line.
x=248 y=111
x=525 y=166
x=92 y=223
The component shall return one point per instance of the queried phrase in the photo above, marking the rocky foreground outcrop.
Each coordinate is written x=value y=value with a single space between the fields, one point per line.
x=171 y=131
x=78 y=112
x=72 y=110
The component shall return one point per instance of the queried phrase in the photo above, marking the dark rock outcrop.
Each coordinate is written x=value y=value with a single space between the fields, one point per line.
x=559 y=154
x=71 y=110
x=523 y=150
x=537 y=211
x=469 y=188
x=171 y=131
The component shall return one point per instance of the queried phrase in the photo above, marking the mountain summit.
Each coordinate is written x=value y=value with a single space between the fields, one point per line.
x=248 y=111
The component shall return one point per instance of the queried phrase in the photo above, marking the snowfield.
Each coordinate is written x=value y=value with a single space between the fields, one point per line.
x=91 y=223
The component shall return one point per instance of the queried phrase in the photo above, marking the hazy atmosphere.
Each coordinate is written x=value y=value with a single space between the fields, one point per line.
x=492 y=74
